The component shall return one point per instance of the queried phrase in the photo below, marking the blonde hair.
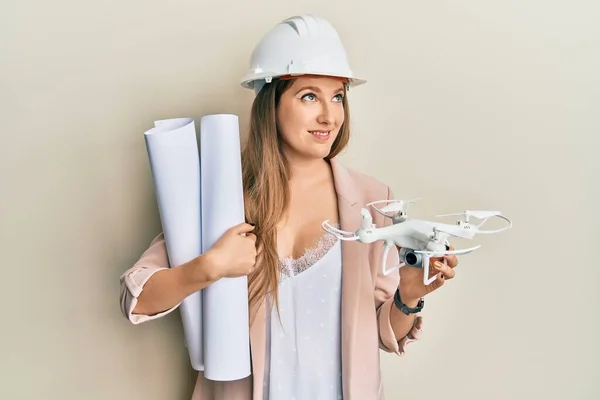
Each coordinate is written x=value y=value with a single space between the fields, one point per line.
x=265 y=175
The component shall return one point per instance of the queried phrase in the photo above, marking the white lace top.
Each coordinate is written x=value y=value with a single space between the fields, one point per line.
x=303 y=349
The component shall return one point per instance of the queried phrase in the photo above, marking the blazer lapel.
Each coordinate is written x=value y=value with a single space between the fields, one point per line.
x=352 y=256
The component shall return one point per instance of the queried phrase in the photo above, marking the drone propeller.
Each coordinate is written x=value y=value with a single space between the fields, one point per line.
x=461 y=232
x=441 y=253
x=483 y=215
x=340 y=234
x=477 y=214
x=398 y=206
x=395 y=206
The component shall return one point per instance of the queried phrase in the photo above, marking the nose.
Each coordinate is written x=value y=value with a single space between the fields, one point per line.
x=326 y=117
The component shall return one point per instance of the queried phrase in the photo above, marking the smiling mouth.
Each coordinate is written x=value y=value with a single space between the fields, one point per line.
x=322 y=135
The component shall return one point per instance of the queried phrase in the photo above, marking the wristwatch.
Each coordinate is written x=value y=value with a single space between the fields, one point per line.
x=404 y=308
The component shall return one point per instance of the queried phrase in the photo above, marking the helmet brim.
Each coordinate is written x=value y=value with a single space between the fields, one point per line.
x=254 y=80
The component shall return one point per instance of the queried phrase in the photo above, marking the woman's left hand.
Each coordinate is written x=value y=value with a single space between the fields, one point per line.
x=411 y=285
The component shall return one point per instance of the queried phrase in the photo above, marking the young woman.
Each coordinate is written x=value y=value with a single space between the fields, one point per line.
x=320 y=309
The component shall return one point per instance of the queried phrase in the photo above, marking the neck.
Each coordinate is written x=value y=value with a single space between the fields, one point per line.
x=303 y=171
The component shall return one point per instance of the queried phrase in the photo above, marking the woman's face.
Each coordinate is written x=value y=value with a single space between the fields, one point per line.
x=310 y=115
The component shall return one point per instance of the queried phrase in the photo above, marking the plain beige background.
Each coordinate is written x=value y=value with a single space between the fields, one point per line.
x=470 y=104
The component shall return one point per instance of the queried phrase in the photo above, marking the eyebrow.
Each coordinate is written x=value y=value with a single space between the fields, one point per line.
x=316 y=89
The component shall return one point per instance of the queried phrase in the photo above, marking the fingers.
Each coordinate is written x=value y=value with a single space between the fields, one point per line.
x=437 y=283
x=251 y=236
x=446 y=270
x=241 y=228
x=451 y=259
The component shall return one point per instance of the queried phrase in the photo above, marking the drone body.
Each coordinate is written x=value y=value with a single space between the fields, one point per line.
x=417 y=240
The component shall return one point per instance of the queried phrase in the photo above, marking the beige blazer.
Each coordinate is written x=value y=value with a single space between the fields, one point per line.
x=367 y=297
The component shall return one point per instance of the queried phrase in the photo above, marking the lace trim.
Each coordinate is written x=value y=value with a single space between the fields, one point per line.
x=289 y=266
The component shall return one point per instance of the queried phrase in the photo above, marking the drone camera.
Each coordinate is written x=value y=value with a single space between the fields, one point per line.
x=411 y=258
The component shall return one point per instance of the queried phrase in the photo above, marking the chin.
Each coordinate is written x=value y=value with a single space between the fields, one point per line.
x=312 y=154
x=321 y=153
x=310 y=151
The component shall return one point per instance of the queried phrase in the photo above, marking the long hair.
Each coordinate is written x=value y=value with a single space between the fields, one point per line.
x=265 y=174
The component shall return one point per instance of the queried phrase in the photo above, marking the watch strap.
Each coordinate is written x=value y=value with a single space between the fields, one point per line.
x=404 y=308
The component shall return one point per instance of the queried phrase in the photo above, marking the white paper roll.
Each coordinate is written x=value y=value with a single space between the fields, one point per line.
x=174 y=161
x=225 y=302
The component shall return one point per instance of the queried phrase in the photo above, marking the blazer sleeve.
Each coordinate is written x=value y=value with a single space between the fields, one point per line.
x=132 y=281
x=385 y=288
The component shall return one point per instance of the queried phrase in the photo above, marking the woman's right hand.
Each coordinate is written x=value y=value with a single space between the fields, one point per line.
x=234 y=254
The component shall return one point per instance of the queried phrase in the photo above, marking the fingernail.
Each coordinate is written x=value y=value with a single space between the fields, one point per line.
x=437 y=264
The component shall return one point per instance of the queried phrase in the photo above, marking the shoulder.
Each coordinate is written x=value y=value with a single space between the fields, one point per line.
x=367 y=187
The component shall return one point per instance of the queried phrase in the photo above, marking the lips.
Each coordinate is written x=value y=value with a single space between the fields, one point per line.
x=320 y=134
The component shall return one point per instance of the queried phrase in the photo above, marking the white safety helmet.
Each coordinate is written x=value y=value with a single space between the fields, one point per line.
x=299 y=45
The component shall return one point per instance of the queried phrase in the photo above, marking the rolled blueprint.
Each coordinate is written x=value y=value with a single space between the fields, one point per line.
x=174 y=161
x=225 y=302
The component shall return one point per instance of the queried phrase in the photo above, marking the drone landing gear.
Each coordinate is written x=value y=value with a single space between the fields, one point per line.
x=426 y=279
x=387 y=246
x=418 y=260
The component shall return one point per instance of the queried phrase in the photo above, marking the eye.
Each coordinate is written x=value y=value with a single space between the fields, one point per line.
x=339 y=97
x=309 y=97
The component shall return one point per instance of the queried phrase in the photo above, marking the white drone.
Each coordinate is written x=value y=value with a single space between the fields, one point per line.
x=418 y=240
